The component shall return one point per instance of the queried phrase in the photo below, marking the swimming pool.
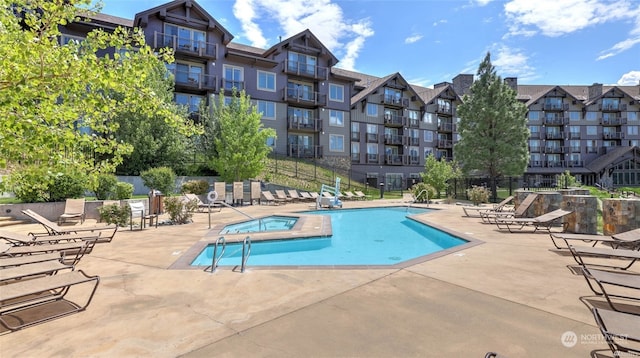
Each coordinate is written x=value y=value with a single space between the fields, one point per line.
x=375 y=236
x=269 y=223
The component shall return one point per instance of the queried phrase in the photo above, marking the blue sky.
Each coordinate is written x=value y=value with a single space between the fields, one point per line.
x=559 y=42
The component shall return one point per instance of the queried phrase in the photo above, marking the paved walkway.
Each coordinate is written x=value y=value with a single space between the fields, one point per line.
x=510 y=294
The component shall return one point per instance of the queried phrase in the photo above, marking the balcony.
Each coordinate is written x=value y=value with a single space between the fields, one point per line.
x=613 y=121
x=185 y=46
x=574 y=149
x=444 y=143
x=414 y=123
x=355 y=157
x=305 y=70
x=592 y=149
x=393 y=139
x=554 y=121
x=555 y=164
x=394 y=120
x=554 y=135
x=302 y=97
x=412 y=141
x=304 y=124
x=575 y=163
x=372 y=137
x=372 y=159
x=555 y=107
x=446 y=127
x=534 y=149
x=304 y=151
x=554 y=150
x=574 y=135
x=355 y=136
x=440 y=109
x=412 y=160
x=610 y=107
x=394 y=101
x=393 y=159
x=194 y=80
x=612 y=135
x=228 y=84
x=535 y=164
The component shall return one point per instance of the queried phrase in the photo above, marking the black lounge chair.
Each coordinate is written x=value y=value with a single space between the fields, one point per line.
x=605 y=279
x=619 y=330
x=628 y=239
x=612 y=257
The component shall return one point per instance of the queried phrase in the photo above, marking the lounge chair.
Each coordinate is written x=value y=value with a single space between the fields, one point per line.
x=604 y=279
x=220 y=188
x=269 y=198
x=19 y=299
x=520 y=211
x=293 y=194
x=350 y=196
x=202 y=207
x=314 y=195
x=629 y=239
x=18 y=239
x=7 y=261
x=138 y=210
x=71 y=252
x=544 y=221
x=108 y=231
x=280 y=195
x=29 y=270
x=608 y=257
x=361 y=195
x=304 y=195
x=73 y=209
x=474 y=211
x=619 y=330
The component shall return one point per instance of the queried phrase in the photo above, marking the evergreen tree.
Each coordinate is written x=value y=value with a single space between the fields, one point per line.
x=493 y=128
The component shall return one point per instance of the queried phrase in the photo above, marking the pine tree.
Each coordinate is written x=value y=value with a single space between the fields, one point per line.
x=493 y=128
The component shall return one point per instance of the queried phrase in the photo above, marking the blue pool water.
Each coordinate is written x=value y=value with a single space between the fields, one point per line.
x=377 y=236
x=270 y=223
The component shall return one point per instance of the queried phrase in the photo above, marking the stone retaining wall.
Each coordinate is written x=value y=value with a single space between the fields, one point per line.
x=620 y=215
x=584 y=219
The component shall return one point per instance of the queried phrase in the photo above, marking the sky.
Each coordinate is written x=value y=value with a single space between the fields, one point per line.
x=552 y=42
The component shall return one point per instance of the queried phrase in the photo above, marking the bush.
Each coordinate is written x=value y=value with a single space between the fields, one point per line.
x=162 y=179
x=180 y=212
x=123 y=190
x=478 y=194
x=35 y=184
x=198 y=187
x=115 y=214
x=106 y=187
x=422 y=192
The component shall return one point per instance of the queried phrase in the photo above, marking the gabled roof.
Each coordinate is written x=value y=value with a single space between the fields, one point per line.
x=311 y=44
x=613 y=156
x=429 y=94
x=544 y=91
x=164 y=10
x=249 y=54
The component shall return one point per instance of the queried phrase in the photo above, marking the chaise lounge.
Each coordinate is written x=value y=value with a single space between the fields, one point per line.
x=474 y=211
x=628 y=239
x=619 y=330
x=108 y=231
x=520 y=211
x=544 y=222
x=610 y=256
x=604 y=279
x=73 y=209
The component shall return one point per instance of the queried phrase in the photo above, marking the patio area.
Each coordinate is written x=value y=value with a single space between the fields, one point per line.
x=510 y=295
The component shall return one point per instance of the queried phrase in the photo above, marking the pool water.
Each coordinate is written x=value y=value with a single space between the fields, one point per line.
x=270 y=223
x=377 y=236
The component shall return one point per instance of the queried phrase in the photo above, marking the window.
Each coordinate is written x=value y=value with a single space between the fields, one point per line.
x=266 y=81
x=428 y=151
x=336 y=143
x=429 y=118
x=591 y=116
x=428 y=136
x=65 y=39
x=233 y=77
x=267 y=109
x=372 y=110
x=300 y=63
x=271 y=141
x=336 y=93
x=192 y=102
x=185 y=73
x=575 y=146
x=534 y=145
x=632 y=130
x=610 y=103
x=336 y=118
x=632 y=116
x=574 y=116
x=183 y=38
x=444 y=105
x=414 y=116
x=534 y=115
x=355 y=148
x=592 y=130
x=553 y=103
x=300 y=90
x=535 y=131
x=392 y=95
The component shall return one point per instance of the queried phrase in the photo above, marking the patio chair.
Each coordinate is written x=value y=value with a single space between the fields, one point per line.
x=619 y=330
x=520 y=211
x=33 y=269
x=350 y=196
x=604 y=279
x=314 y=195
x=107 y=231
x=306 y=196
x=544 y=221
x=280 y=195
x=71 y=252
x=19 y=239
x=361 y=195
x=19 y=299
x=138 y=210
x=628 y=239
x=474 y=211
x=612 y=258
x=293 y=194
x=7 y=261
x=220 y=188
x=202 y=207
x=73 y=209
x=269 y=198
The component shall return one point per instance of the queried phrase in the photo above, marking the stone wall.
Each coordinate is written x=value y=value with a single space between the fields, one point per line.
x=620 y=215
x=584 y=219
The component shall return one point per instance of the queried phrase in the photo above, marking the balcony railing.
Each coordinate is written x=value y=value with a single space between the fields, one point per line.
x=575 y=149
x=592 y=149
x=446 y=127
x=372 y=137
x=394 y=120
x=393 y=159
x=534 y=149
x=574 y=135
x=554 y=150
x=575 y=163
x=414 y=123
x=305 y=124
x=393 y=100
x=304 y=151
x=194 y=80
x=555 y=164
x=613 y=121
x=555 y=107
x=372 y=159
x=536 y=164
x=440 y=109
x=305 y=70
x=611 y=107
x=613 y=135
x=185 y=45
x=554 y=135
x=412 y=160
x=300 y=96
x=229 y=84
x=355 y=136
x=412 y=141
x=444 y=143
x=554 y=121
x=393 y=139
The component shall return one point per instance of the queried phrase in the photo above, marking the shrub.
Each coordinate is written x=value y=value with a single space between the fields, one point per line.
x=68 y=183
x=162 y=179
x=180 y=211
x=198 y=187
x=423 y=192
x=123 y=190
x=33 y=184
x=566 y=180
x=115 y=214
x=478 y=194
x=106 y=187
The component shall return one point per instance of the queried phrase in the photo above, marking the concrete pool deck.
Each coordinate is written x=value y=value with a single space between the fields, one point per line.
x=510 y=294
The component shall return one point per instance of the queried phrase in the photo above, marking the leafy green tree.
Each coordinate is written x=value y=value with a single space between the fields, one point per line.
x=240 y=140
x=58 y=101
x=437 y=173
x=493 y=128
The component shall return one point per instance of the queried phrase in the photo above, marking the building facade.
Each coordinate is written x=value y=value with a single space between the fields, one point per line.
x=382 y=128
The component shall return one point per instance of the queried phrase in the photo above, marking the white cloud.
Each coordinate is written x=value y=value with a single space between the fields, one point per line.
x=631 y=78
x=344 y=37
x=511 y=62
x=440 y=22
x=482 y=2
x=413 y=38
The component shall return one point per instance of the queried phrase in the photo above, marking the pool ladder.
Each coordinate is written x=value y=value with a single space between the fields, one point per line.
x=215 y=259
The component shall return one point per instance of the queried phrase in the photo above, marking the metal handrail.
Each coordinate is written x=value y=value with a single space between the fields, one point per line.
x=246 y=251
x=260 y=223
x=214 y=259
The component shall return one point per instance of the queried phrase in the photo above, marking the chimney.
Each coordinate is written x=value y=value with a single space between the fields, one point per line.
x=512 y=82
x=595 y=90
x=462 y=83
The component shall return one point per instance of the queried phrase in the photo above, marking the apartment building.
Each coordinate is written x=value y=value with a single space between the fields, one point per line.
x=381 y=127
